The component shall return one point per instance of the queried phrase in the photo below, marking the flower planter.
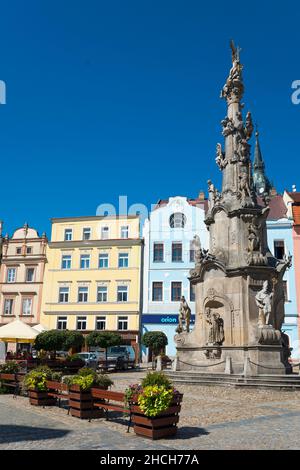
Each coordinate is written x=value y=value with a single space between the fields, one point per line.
x=38 y=398
x=160 y=426
x=81 y=404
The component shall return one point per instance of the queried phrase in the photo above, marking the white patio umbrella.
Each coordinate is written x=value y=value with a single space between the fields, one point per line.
x=17 y=332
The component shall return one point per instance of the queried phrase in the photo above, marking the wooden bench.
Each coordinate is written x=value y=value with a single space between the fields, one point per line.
x=108 y=400
x=12 y=381
x=57 y=390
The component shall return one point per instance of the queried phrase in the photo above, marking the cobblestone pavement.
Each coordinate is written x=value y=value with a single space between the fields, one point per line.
x=211 y=418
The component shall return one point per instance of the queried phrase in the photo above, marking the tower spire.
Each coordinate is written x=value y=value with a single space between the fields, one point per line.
x=261 y=182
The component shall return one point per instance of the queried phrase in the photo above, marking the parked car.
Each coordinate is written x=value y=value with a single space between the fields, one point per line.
x=90 y=358
x=124 y=353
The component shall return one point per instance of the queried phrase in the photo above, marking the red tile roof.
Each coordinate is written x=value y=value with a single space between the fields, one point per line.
x=295 y=196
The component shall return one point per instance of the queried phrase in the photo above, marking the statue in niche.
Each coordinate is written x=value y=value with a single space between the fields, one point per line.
x=244 y=186
x=216 y=328
x=254 y=237
x=184 y=316
x=211 y=194
x=264 y=302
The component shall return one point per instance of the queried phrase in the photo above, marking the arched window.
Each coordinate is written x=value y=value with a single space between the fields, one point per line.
x=177 y=220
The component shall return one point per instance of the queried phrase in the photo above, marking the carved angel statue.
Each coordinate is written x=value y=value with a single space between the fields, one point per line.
x=184 y=316
x=264 y=300
x=228 y=126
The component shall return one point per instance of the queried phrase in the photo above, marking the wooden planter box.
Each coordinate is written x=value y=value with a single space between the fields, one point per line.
x=82 y=405
x=38 y=398
x=162 y=425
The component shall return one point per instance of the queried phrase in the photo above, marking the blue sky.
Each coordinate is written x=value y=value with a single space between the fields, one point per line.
x=109 y=98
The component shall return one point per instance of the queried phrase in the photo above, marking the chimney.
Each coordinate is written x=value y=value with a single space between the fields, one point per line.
x=273 y=192
x=201 y=195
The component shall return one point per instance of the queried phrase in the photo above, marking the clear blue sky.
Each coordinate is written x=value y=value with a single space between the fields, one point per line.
x=106 y=98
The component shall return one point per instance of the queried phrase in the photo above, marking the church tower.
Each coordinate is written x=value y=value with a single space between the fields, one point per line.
x=261 y=183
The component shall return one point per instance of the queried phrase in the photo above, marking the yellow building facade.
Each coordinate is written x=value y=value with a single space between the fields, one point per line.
x=93 y=276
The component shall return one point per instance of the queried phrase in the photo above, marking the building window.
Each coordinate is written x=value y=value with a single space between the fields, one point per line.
x=11 y=274
x=279 y=249
x=26 y=306
x=19 y=250
x=29 y=274
x=29 y=250
x=285 y=291
x=123 y=260
x=102 y=294
x=86 y=235
x=158 y=252
x=100 y=323
x=192 y=293
x=8 y=306
x=176 y=252
x=62 y=323
x=122 y=294
x=68 y=234
x=177 y=220
x=192 y=251
x=157 y=291
x=104 y=233
x=63 y=295
x=122 y=323
x=84 y=261
x=66 y=262
x=124 y=231
x=103 y=260
x=81 y=323
x=175 y=291
x=83 y=294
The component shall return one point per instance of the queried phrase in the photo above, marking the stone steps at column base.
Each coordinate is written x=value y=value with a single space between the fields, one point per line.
x=263 y=381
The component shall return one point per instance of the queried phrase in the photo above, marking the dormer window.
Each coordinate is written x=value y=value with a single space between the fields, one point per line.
x=177 y=220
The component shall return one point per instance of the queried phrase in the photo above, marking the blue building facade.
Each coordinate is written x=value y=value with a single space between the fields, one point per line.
x=280 y=241
x=168 y=257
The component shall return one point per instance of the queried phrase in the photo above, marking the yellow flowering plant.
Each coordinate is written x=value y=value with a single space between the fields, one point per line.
x=155 y=399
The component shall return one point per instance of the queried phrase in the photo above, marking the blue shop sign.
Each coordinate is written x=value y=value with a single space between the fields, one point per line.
x=163 y=319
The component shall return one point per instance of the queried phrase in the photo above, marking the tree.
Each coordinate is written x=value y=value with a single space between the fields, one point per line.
x=73 y=340
x=156 y=340
x=104 y=340
x=52 y=341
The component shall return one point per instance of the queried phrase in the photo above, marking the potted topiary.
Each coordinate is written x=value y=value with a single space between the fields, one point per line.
x=155 y=406
x=81 y=404
x=36 y=383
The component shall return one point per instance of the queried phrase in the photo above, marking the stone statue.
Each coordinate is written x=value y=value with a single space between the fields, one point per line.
x=184 y=315
x=264 y=302
x=244 y=186
x=220 y=157
x=216 y=328
x=249 y=126
x=253 y=238
x=211 y=194
x=228 y=126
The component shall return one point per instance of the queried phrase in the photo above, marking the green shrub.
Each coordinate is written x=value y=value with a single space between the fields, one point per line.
x=56 y=376
x=73 y=357
x=156 y=378
x=102 y=380
x=86 y=379
x=10 y=367
x=37 y=378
